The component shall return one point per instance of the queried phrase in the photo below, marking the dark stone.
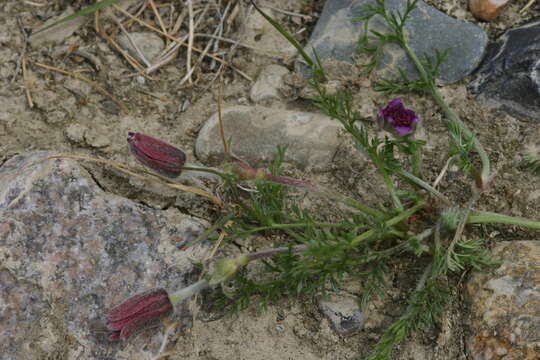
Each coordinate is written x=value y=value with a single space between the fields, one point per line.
x=336 y=37
x=508 y=78
x=342 y=313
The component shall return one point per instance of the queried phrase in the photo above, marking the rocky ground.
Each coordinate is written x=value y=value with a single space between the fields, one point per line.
x=78 y=237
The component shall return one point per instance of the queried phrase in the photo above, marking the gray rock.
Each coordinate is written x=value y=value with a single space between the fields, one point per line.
x=336 y=37
x=268 y=83
x=343 y=313
x=509 y=77
x=311 y=139
x=505 y=304
x=149 y=43
x=59 y=33
x=69 y=251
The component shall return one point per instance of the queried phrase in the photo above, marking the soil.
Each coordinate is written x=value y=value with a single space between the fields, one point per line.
x=71 y=117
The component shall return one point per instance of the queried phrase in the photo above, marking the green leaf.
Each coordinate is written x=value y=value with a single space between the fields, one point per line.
x=88 y=10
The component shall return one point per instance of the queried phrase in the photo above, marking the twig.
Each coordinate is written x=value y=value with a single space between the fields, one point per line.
x=226 y=149
x=201 y=58
x=161 y=354
x=142 y=6
x=443 y=172
x=163 y=180
x=230 y=41
x=97 y=26
x=27 y=84
x=179 y=22
x=133 y=43
x=190 y=71
x=23 y=52
x=33 y=3
x=88 y=81
x=170 y=52
x=247 y=77
x=91 y=58
x=219 y=31
x=163 y=60
x=526 y=7
x=160 y=21
x=130 y=59
x=290 y=13
x=171 y=13
x=190 y=39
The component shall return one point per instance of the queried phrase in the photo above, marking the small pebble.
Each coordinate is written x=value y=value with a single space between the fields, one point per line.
x=487 y=10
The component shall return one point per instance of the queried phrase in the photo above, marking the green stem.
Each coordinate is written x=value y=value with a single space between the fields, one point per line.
x=389 y=183
x=451 y=116
x=485 y=217
x=408 y=176
x=423 y=73
x=178 y=296
x=271 y=252
x=352 y=203
x=393 y=221
x=417 y=162
x=297 y=225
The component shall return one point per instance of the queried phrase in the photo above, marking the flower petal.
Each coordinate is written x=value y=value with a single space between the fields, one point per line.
x=403 y=130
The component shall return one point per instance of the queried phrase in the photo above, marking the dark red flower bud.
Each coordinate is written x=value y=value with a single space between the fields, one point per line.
x=137 y=313
x=165 y=159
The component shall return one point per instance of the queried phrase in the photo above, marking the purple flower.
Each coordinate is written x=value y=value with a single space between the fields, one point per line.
x=395 y=116
x=137 y=313
x=156 y=154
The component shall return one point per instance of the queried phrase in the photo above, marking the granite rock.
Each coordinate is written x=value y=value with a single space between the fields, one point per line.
x=336 y=37
x=509 y=77
x=505 y=304
x=311 y=139
x=70 y=251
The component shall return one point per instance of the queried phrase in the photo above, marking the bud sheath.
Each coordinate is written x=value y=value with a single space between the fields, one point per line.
x=165 y=159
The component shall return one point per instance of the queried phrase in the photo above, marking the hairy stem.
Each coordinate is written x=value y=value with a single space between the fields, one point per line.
x=271 y=252
x=485 y=217
x=451 y=116
x=407 y=175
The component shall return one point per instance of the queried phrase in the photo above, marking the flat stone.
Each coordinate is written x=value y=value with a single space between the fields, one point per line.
x=505 y=304
x=311 y=139
x=57 y=34
x=70 y=251
x=150 y=44
x=268 y=83
x=343 y=313
x=509 y=77
x=336 y=37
